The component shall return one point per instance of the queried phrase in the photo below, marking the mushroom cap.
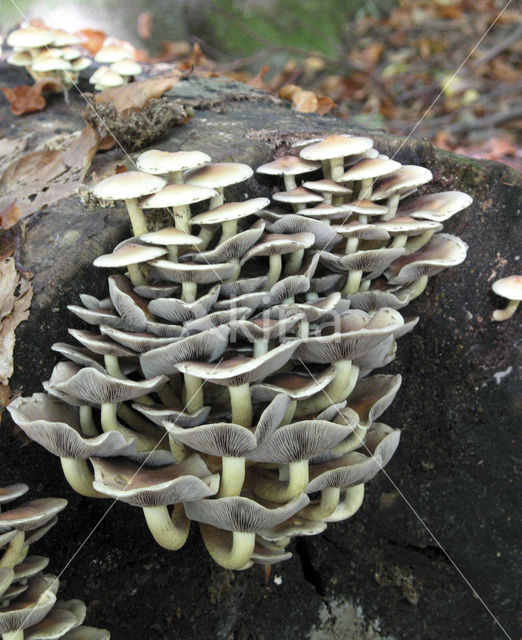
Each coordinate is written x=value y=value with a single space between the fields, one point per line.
x=406 y=225
x=175 y=195
x=30 y=38
x=327 y=186
x=193 y=272
x=230 y=211
x=336 y=146
x=299 y=195
x=20 y=59
x=218 y=439
x=159 y=414
x=112 y=52
x=31 y=515
x=139 y=486
x=156 y=161
x=109 y=79
x=436 y=206
x=242 y=514
x=279 y=244
x=324 y=235
x=13 y=491
x=510 y=287
x=55 y=625
x=442 y=251
x=127 y=185
x=176 y=310
x=361 y=230
x=365 y=207
x=50 y=63
x=231 y=249
x=170 y=236
x=370 y=168
x=129 y=253
x=218 y=174
x=288 y=166
x=126 y=67
x=20 y=615
x=298 y=386
x=401 y=181
x=81 y=63
x=100 y=344
x=264 y=328
x=372 y=396
x=63 y=38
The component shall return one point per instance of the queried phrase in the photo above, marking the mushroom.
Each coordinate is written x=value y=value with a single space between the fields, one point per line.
x=129 y=186
x=130 y=255
x=172 y=162
x=241 y=517
x=171 y=238
x=367 y=170
x=510 y=288
x=298 y=198
x=289 y=167
x=218 y=175
x=398 y=184
x=332 y=150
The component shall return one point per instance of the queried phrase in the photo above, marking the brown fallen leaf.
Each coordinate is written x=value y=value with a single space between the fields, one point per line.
x=92 y=40
x=15 y=299
x=257 y=80
x=27 y=99
x=9 y=215
x=324 y=105
x=133 y=96
x=48 y=175
x=304 y=101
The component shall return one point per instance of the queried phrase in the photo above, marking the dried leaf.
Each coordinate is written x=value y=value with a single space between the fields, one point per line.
x=304 y=101
x=9 y=215
x=324 y=105
x=46 y=176
x=15 y=300
x=5 y=394
x=27 y=99
x=287 y=92
x=257 y=80
x=134 y=96
x=92 y=40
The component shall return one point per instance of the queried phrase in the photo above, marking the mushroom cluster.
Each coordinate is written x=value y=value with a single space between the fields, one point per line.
x=48 y=53
x=58 y=54
x=231 y=381
x=29 y=608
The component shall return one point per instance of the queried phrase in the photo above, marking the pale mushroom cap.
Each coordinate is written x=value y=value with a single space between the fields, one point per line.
x=130 y=184
x=62 y=38
x=21 y=615
x=365 y=207
x=11 y=492
x=30 y=37
x=129 y=253
x=436 y=206
x=31 y=515
x=70 y=53
x=370 y=168
x=81 y=63
x=336 y=146
x=110 y=79
x=20 y=59
x=230 y=211
x=327 y=186
x=156 y=161
x=219 y=174
x=288 y=166
x=299 y=195
x=126 y=67
x=170 y=236
x=112 y=53
x=50 y=63
x=407 y=225
x=407 y=177
x=510 y=287
x=175 y=195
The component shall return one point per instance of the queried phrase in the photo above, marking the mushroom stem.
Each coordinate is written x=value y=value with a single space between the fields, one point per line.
x=353 y=282
x=135 y=275
x=336 y=168
x=13 y=635
x=275 y=270
x=228 y=230
x=138 y=422
x=393 y=203
x=80 y=477
x=137 y=218
x=189 y=291
x=290 y=182
x=268 y=488
x=325 y=507
x=232 y=476
x=417 y=287
x=334 y=392
x=230 y=554
x=14 y=549
x=193 y=396
x=178 y=450
x=294 y=262
x=399 y=241
x=352 y=442
x=182 y=217
x=303 y=329
x=241 y=404
x=173 y=252
x=289 y=413
x=112 y=365
x=504 y=314
x=260 y=347
x=168 y=397
x=350 y=502
x=110 y=422
x=419 y=241
x=351 y=245
x=87 y=423
x=217 y=200
x=366 y=189
x=176 y=177
x=169 y=531
x=205 y=235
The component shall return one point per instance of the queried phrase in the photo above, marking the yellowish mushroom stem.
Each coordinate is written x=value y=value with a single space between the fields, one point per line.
x=228 y=230
x=182 y=217
x=110 y=422
x=112 y=365
x=169 y=531
x=325 y=507
x=80 y=477
x=417 y=287
x=269 y=488
x=334 y=392
x=351 y=245
x=232 y=476
x=353 y=282
x=503 y=314
x=176 y=177
x=260 y=347
x=231 y=550
x=241 y=402
x=416 y=243
x=136 y=276
x=290 y=182
x=393 y=203
x=13 y=635
x=87 y=423
x=350 y=502
x=193 y=393
x=13 y=552
x=366 y=189
x=189 y=291
x=178 y=450
x=274 y=272
x=137 y=218
x=294 y=262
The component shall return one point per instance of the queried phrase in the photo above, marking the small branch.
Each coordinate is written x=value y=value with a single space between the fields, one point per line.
x=499 y=48
x=492 y=120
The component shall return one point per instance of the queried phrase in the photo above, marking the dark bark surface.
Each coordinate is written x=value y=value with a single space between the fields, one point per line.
x=459 y=408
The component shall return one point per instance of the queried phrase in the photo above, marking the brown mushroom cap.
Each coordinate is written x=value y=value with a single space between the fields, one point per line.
x=126 y=185
x=155 y=161
x=370 y=168
x=175 y=195
x=31 y=515
x=401 y=181
x=436 y=206
x=129 y=253
x=230 y=211
x=287 y=166
x=218 y=175
x=20 y=615
x=299 y=195
x=336 y=146
x=510 y=287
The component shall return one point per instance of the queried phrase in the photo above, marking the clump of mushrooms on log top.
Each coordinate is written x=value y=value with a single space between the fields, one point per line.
x=29 y=607
x=60 y=55
x=230 y=377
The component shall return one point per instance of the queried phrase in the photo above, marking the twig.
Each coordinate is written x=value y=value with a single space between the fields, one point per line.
x=487 y=121
x=499 y=48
